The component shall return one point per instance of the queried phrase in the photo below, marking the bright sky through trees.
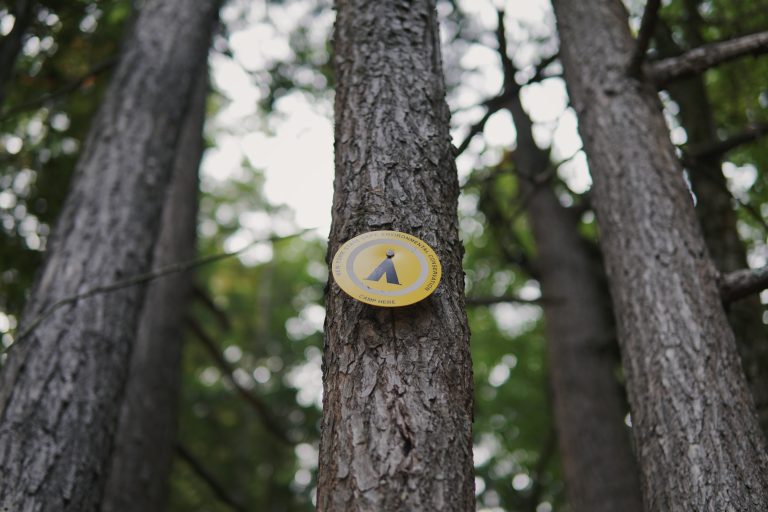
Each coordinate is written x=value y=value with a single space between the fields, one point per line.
x=295 y=149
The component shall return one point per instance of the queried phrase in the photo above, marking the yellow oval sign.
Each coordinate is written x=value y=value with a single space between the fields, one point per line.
x=387 y=268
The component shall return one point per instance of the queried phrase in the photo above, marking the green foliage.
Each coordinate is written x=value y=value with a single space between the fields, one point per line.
x=61 y=75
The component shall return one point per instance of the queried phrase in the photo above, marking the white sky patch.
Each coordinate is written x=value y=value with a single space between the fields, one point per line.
x=521 y=481
x=297 y=161
x=515 y=319
x=500 y=131
x=740 y=179
x=499 y=375
x=485 y=449
x=307 y=379
x=7 y=21
x=545 y=101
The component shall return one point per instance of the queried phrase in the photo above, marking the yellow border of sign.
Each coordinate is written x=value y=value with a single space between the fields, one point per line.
x=428 y=277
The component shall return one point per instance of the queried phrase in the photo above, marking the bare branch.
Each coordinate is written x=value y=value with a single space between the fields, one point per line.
x=508 y=67
x=258 y=405
x=647 y=26
x=742 y=283
x=491 y=300
x=137 y=280
x=63 y=91
x=748 y=207
x=511 y=87
x=753 y=212
x=721 y=147
x=539 y=75
x=204 y=297
x=218 y=490
x=477 y=128
x=704 y=57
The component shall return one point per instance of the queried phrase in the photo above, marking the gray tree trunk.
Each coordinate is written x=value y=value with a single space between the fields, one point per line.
x=715 y=211
x=62 y=383
x=697 y=437
x=146 y=434
x=397 y=411
x=598 y=462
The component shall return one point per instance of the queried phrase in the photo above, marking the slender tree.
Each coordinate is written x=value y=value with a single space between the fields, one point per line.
x=598 y=463
x=397 y=411
x=146 y=434
x=695 y=429
x=714 y=206
x=63 y=380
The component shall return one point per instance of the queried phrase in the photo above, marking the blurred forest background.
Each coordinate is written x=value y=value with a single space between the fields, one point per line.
x=251 y=390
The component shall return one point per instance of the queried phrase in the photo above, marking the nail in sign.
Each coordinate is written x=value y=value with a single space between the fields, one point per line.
x=387 y=268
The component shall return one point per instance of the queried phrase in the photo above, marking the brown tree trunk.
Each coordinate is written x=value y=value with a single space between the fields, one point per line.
x=716 y=214
x=397 y=411
x=697 y=437
x=146 y=433
x=598 y=462
x=62 y=383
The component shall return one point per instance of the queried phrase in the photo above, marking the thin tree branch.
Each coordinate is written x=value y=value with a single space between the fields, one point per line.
x=173 y=268
x=721 y=147
x=753 y=212
x=63 y=91
x=647 y=26
x=704 y=57
x=218 y=490
x=538 y=182
x=258 y=405
x=477 y=128
x=491 y=300
x=510 y=88
x=742 y=283
x=749 y=208
x=508 y=67
x=204 y=297
x=539 y=75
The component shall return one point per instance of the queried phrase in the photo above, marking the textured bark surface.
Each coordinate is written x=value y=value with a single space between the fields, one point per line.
x=714 y=208
x=61 y=387
x=696 y=433
x=10 y=45
x=397 y=411
x=598 y=462
x=146 y=433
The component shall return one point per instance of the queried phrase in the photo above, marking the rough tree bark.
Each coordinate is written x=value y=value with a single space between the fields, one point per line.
x=61 y=386
x=10 y=45
x=396 y=429
x=146 y=433
x=696 y=433
x=714 y=208
x=598 y=462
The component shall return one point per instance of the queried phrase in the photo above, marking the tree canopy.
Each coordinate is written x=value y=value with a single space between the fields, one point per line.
x=251 y=390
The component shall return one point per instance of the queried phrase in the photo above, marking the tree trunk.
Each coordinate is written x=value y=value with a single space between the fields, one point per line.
x=598 y=463
x=10 y=45
x=397 y=411
x=715 y=211
x=146 y=433
x=695 y=429
x=62 y=383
